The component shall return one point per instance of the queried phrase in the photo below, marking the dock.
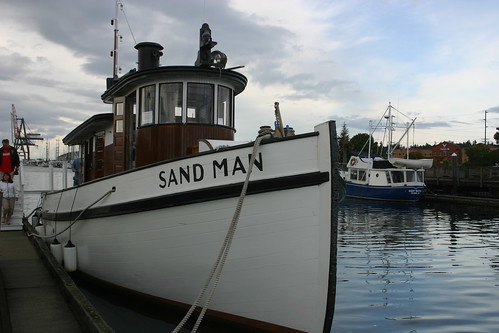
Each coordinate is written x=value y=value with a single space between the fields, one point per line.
x=458 y=199
x=36 y=293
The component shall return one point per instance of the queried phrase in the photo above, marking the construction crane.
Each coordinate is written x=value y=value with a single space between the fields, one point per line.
x=21 y=137
x=278 y=121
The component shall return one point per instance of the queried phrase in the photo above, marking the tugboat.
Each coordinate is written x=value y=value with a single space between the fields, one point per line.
x=170 y=208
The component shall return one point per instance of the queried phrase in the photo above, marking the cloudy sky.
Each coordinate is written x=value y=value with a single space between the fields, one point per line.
x=343 y=60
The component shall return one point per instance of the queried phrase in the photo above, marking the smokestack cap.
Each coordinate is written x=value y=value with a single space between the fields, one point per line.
x=149 y=54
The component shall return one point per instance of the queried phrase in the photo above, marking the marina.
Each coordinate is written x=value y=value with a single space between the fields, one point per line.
x=159 y=190
x=401 y=267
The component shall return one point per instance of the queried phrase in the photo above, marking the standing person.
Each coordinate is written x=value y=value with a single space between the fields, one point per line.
x=75 y=166
x=10 y=196
x=9 y=159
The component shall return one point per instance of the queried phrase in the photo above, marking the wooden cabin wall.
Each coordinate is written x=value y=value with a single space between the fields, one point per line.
x=108 y=161
x=99 y=157
x=119 y=137
x=162 y=142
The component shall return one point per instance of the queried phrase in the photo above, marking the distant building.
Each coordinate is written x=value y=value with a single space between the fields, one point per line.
x=402 y=153
x=443 y=152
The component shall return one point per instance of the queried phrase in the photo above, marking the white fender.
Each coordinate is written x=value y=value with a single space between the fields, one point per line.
x=70 y=258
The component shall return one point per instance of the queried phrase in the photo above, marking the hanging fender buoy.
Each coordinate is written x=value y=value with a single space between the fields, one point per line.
x=56 y=250
x=70 y=258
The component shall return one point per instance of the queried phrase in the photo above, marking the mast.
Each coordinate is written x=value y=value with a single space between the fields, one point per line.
x=407 y=144
x=114 y=52
x=390 y=130
x=369 y=140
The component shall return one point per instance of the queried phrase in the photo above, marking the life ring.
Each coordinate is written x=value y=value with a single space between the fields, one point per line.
x=353 y=161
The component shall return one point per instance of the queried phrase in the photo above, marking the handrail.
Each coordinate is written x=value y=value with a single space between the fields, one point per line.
x=113 y=189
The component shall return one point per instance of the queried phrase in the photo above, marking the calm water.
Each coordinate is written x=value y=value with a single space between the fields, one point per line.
x=417 y=268
x=427 y=267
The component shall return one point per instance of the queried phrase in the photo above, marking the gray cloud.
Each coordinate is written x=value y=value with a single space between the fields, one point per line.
x=347 y=74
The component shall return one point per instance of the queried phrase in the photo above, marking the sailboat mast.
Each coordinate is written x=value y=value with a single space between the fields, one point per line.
x=407 y=145
x=390 y=130
x=370 y=135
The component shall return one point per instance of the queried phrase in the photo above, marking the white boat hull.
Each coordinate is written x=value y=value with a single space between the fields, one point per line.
x=160 y=233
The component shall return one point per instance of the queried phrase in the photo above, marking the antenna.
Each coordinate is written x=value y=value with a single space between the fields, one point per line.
x=114 y=52
x=485 y=137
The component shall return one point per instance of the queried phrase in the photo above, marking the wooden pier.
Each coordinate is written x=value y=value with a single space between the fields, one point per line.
x=36 y=294
x=464 y=181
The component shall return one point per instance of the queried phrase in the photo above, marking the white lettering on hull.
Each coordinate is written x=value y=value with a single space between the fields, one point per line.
x=196 y=172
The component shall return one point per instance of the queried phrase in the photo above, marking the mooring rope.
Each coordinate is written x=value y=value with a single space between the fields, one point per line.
x=78 y=217
x=224 y=251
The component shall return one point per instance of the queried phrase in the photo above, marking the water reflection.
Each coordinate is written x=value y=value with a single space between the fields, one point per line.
x=404 y=267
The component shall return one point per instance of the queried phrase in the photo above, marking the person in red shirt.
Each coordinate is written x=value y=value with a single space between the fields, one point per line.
x=9 y=158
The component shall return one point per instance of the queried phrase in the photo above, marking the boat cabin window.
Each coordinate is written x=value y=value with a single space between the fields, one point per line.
x=388 y=178
x=200 y=103
x=353 y=174
x=189 y=102
x=147 y=96
x=420 y=176
x=119 y=109
x=362 y=175
x=398 y=176
x=410 y=176
x=170 y=103
x=224 y=106
x=118 y=126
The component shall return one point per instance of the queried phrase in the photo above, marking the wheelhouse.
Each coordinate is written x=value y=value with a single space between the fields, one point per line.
x=158 y=113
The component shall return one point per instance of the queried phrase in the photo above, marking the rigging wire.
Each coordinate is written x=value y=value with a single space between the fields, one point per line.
x=122 y=7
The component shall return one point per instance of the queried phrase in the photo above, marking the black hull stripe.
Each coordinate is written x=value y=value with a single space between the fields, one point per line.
x=196 y=196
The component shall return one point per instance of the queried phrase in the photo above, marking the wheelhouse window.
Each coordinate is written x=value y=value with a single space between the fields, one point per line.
x=118 y=127
x=224 y=106
x=119 y=109
x=200 y=103
x=170 y=103
x=147 y=97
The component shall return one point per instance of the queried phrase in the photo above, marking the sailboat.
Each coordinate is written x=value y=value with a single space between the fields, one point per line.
x=169 y=207
x=370 y=176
